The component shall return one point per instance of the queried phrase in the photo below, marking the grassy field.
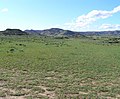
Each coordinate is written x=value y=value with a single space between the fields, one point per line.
x=49 y=68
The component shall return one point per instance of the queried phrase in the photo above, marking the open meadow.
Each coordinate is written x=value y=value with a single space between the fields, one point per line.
x=58 y=68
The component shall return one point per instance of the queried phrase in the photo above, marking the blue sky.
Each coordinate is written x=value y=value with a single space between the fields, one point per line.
x=77 y=15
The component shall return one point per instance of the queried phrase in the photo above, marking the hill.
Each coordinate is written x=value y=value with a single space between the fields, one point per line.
x=13 y=32
x=54 y=32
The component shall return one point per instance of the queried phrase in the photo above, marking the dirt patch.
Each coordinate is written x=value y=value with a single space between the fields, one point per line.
x=14 y=94
x=13 y=97
x=2 y=83
x=83 y=93
x=49 y=94
x=117 y=96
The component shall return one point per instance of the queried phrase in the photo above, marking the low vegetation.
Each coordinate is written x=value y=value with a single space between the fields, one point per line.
x=59 y=68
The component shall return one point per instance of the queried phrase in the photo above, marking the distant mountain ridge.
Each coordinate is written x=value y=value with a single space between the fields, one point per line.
x=59 y=32
x=102 y=33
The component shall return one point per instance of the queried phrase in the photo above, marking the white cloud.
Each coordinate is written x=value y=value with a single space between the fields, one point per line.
x=4 y=10
x=110 y=26
x=85 y=20
x=115 y=10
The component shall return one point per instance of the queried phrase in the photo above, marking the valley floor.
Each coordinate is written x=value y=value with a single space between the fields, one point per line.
x=50 y=68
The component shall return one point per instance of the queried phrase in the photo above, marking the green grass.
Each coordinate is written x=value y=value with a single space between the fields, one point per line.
x=45 y=67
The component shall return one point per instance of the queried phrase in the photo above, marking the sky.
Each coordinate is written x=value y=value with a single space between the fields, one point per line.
x=75 y=15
